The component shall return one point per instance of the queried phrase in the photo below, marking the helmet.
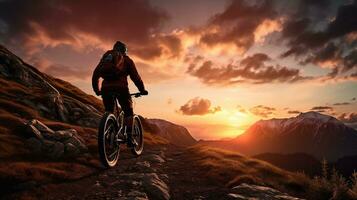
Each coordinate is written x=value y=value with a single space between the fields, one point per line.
x=121 y=47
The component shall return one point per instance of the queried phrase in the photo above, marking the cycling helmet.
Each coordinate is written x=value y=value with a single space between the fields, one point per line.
x=121 y=47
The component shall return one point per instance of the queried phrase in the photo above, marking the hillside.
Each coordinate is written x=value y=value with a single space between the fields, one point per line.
x=319 y=135
x=31 y=100
x=48 y=150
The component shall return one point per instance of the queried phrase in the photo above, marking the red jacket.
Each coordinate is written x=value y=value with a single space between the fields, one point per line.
x=120 y=81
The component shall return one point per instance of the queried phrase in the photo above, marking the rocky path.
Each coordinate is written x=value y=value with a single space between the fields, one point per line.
x=162 y=172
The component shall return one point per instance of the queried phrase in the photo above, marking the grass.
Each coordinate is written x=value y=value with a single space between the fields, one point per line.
x=232 y=169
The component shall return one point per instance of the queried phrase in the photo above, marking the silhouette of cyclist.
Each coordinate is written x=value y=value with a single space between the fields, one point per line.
x=114 y=67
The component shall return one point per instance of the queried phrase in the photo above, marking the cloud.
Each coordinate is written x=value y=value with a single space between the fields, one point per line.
x=322 y=109
x=153 y=74
x=262 y=111
x=241 y=109
x=348 y=117
x=83 y=23
x=240 y=24
x=311 y=38
x=198 y=106
x=61 y=71
x=294 y=112
x=169 y=101
x=252 y=69
x=342 y=104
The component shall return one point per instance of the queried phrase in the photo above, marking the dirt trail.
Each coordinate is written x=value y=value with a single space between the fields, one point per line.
x=161 y=172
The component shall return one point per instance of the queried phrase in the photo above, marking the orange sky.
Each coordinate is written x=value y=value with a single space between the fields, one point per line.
x=214 y=66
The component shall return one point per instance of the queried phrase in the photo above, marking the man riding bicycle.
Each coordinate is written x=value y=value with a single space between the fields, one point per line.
x=114 y=67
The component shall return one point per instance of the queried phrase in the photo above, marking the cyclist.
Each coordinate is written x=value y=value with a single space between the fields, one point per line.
x=114 y=67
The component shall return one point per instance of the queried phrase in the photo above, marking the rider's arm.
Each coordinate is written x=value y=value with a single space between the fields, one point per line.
x=95 y=78
x=135 y=77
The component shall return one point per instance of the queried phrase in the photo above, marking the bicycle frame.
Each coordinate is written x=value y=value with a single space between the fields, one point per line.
x=120 y=116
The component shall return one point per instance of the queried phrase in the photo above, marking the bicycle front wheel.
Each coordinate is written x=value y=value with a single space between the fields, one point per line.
x=108 y=146
x=138 y=136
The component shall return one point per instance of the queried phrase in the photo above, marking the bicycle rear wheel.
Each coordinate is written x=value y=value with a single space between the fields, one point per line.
x=108 y=146
x=138 y=136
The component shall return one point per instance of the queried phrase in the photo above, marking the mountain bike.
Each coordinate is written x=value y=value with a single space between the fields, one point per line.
x=113 y=133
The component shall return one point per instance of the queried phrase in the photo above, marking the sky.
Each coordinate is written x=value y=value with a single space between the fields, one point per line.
x=215 y=67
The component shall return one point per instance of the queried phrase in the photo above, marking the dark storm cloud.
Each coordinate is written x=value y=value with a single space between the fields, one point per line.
x=262 y=111
x=321 y=32
x=323 y=39
x=252 y=69
x=198 y=106
x=132 y=21
x=237 y=23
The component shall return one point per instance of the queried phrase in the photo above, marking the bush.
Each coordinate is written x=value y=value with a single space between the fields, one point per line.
x=331 y=185
x=354 y=184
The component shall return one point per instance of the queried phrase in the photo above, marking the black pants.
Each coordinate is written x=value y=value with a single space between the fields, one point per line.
x=124 y=99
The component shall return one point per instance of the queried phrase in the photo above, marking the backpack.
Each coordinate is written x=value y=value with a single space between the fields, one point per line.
x=112 y=65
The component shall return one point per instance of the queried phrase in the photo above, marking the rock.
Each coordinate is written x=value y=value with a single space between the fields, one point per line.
x=34 y=132
x=52 y=149
x=42 y=128
x=154 y=158
x=70 y=150
x=143 y=166
x=63 y=135
x=246 y=192
x=137 y=195
x=155 y=187
x=51 y=103
x=34 y=144
x=54 y=144
x=77 y=141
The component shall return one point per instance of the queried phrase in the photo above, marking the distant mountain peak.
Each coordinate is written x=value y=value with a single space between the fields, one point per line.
x=303 y=118
x=316 y=116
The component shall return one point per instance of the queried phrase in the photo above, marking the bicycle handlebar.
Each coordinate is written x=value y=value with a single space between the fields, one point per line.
x=136 y=95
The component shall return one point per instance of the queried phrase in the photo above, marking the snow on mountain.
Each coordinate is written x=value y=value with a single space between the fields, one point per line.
x=319 y=135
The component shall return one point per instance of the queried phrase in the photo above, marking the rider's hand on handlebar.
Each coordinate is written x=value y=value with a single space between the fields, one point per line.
x=98 y=93
x=144 y=92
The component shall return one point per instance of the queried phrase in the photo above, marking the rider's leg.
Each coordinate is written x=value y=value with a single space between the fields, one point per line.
x=108 y=101
x=127 y=106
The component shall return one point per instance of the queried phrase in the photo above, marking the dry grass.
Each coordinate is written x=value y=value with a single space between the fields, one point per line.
x=14 y=173
x=18 y=109
x=232 y=169
x=12 y=88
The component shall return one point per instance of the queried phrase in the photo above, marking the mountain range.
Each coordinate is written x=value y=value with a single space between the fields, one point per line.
x=312 y=133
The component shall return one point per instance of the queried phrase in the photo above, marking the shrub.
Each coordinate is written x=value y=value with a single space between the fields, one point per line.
x=331 y=185
x=354 y=184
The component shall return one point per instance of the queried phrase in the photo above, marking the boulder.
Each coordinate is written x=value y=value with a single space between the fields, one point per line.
x=246 y=192
x=54 y=144
x=155 y=187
